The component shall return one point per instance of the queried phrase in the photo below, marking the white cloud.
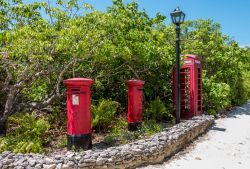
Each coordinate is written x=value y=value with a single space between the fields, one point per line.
x=245 y=46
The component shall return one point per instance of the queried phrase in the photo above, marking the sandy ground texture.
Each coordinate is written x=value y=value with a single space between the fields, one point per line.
x=225 y=146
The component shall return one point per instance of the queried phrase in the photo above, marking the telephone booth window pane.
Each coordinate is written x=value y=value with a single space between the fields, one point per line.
x=185 y=89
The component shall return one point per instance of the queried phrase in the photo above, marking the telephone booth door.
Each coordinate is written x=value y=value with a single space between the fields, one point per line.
x=185 y=92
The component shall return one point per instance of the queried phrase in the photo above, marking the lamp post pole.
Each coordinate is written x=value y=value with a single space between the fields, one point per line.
x=177 y=87
x=177 y=17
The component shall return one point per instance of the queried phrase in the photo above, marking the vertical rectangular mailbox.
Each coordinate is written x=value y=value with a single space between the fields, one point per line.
x=78 y=112
x=135 y=101
x=190 y=87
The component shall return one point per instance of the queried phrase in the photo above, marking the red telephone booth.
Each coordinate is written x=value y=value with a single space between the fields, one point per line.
x=78 y=111
x=190 y=87
x=135 y=99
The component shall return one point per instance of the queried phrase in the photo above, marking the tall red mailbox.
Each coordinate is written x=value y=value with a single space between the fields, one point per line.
x=135 y=99
x=78 y=111
x=190 y=87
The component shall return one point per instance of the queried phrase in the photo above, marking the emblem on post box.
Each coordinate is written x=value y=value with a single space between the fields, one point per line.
x=78 y=112
x=75 y=100
x=190 y=87
x=135 y=100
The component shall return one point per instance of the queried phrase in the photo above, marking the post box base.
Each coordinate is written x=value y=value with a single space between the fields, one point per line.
x=79 y=142
x=134 y=126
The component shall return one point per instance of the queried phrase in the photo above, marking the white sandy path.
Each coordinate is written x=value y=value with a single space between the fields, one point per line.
x=225 y=146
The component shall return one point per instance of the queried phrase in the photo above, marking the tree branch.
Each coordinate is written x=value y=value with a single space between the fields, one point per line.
x=50 y=16
x=135 y=73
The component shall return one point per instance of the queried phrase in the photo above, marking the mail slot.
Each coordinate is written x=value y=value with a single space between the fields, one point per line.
x=79 y=113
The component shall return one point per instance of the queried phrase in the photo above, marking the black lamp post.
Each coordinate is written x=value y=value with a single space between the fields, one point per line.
x=177 y=18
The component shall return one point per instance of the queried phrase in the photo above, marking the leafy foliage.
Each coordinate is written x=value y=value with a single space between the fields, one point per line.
x=103 y=113
x=216 y=96
x=150 y=127
x=147 y=129
x=120 y=126
x=109 y=140
x=158 y=111
x=27 y=137
x=119 y=132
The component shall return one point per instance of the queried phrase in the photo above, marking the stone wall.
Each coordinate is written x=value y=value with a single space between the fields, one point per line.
x=149 y=151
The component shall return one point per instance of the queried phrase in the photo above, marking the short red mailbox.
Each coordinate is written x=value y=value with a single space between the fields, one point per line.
x=135 y=99
x=190 y=87
x=79 y=115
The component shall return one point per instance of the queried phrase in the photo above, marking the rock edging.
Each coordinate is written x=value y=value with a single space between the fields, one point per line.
x=149 y=151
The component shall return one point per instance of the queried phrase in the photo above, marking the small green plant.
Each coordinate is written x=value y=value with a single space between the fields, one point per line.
x=158 y=111
x=109 y=140
x=63 y=141
x=103 y=114
x=120 y=130
x=27 y=136
x=151 y=127
x=120 y=127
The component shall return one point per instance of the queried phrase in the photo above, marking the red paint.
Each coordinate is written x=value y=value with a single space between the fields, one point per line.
x=78 y=105
x=135 y=99
x=190 y=87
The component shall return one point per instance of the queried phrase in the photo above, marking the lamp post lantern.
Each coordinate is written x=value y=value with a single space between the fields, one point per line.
x=177 y=17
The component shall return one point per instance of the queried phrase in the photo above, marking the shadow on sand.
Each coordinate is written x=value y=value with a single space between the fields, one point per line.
x=218 y=129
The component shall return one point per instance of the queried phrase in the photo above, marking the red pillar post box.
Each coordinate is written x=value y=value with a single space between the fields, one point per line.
x=78 y=112
x=135 y=100
x=190 y=87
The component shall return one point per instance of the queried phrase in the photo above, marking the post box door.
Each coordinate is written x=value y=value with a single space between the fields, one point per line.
x=135 y=104
x=73 y=109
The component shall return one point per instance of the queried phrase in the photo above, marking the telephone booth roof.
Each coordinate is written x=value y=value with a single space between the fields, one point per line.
x=194 y=57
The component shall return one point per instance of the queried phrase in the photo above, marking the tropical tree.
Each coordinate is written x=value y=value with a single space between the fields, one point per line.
x=35 y=54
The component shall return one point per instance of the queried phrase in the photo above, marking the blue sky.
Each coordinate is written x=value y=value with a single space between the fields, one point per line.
x=233 y=15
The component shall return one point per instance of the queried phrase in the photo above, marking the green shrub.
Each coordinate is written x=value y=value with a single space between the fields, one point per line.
x=62 y=141
x=109 y=139
x=241 y=91
x=27 y=136
x=217 y=96
x=247 y=87
x=150 y=127
x=158 y=111
x=103 y=114
x=120 y=131
x=119 y=127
